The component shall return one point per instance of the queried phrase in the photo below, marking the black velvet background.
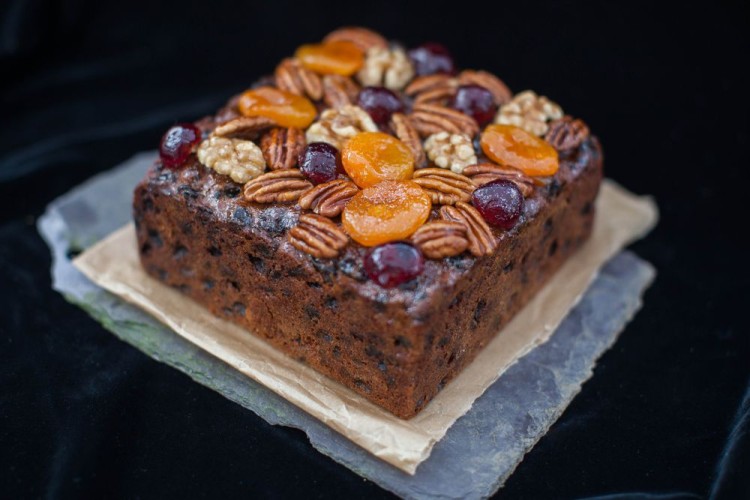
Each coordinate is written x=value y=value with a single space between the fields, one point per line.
x=85 y=84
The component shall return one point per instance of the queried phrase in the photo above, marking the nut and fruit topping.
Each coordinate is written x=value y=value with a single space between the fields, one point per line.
x=452 y=151
x=284 y=108
x=282 y=146
x=389 y=211
x=177 y=144
x=372 y=157
x=380 y=103
x=320 y=162
x=430 y=58
x=390 y=68
x=338 y=125
x=530 y=112
x=278 y=186
x=361 y=37
x=317 y=236
x=496 y=86
x=338 y=57
x=499 y=202
x=441 y=238
x=484 y=173
x=392 y=264
x=513 y=146
x=475 y=101
x=239 y=159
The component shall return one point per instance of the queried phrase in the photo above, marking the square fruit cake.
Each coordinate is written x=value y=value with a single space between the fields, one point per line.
x=371 y=211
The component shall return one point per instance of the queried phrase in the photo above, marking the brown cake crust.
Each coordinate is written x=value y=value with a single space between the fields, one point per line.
x=396 y=347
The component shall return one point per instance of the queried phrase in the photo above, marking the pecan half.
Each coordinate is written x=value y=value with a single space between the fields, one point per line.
x=441 y=238
x=481 y=240
x=483 y=173
x=443 y=186
x=330 y=198
x=244 y=127
x=566 y=133
x=317 y=236
x=278 y=186
x=291 y=76
x=406 y=133
x=339 y=90
x=361 y=37
x=282 y=146
x=500 y=92
x=431 y=119
x=432 y=89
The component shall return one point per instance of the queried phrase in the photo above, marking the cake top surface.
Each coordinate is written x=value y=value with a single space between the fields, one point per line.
x=390 y=165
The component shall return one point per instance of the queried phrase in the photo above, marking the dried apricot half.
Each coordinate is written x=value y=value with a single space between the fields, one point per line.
x=388 y=211
x=514 y=147
x=284 y=108
x=372 y=157
x=336 y=57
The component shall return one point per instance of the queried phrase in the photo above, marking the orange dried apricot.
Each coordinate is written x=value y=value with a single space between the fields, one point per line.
x=372 y=157
x=284 y=108
x=336 y=57
x=513 y=146
x=388 y=211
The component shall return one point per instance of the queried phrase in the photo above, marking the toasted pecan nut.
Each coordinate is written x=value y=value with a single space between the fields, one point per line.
x=444 y=186
x=431 y=119
x=406 y=133
x=278 y=186
x=330 y=198
x=432 y=89
x=244 y=127
x=440 y=239
x=478 y=232
x=483 y=173
x=282 y=146
x=318 y=236
x=566 y=133
x=339 y=90
x=361 y=37
x=500 y=92
x=291 y=76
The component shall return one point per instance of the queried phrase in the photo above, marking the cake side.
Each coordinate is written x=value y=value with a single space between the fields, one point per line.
x=396 y=347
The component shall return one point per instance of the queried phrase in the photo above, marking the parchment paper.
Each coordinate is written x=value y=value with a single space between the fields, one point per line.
x=113 y=264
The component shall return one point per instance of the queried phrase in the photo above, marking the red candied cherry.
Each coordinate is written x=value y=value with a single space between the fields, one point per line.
x=380 y=103
x=177 y=144
x=499 y=202
x=391 y=264
x=476 y=102
x=430 y=58
x=320 y=162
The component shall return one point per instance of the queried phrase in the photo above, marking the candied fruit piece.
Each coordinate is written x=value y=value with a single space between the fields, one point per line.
x=391 y=264
x=500 y=203
x=177 y=144
x=320 y=162
x=514 y=147
x=336 y=57
x=431 y=58
x=372 y=157
x=389 y=211
x=284 y=108
x=380 y=103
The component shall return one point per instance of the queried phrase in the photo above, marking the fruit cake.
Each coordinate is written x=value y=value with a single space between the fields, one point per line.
x=371 y=211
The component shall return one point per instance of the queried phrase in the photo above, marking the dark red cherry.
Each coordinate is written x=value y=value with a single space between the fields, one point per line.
x=380 y=103
x=392 y=264
x=476 y=102
x=320 y=162
x=499 y=202
x=177 y=144
x=430 y=58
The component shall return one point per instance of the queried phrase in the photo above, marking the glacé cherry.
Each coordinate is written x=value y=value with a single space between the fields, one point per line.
x=380 y=103
x=500 y=203
x=392 y=264
x=476 y=102
x=177 y=144
x=320 y=162
x=431 y=58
